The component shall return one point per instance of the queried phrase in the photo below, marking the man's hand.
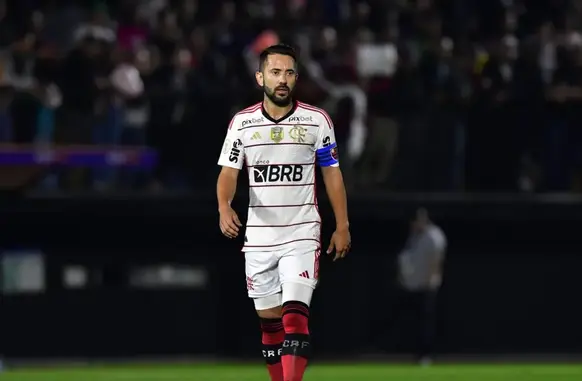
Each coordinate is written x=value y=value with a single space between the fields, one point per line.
x=341 y=241
x=229 y=222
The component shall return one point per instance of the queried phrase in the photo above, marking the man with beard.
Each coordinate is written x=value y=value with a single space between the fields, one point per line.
x=280 y=140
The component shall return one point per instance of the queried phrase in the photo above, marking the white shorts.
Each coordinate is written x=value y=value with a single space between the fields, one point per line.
x=266 y=271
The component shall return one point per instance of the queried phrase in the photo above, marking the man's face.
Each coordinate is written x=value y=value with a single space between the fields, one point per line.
x=278 y=78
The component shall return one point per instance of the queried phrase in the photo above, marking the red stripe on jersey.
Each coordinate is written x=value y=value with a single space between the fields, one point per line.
x=262 y=165
x=247 y=110
x=253 y=107
x=231 y=122
x=278 y=144
x=283 y=226
x=280 y=185
x=282 y=206
x=281 y=124
x=305 y=106
x=284 y=243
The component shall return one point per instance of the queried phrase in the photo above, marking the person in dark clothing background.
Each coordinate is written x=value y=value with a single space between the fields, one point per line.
x=78 y=83
x=485 y=170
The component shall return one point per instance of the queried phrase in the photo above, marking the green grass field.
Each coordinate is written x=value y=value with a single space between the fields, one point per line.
x=363 y=372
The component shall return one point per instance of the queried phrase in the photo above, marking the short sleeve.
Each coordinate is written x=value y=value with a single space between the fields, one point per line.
x=232 y=154
x=326 y=146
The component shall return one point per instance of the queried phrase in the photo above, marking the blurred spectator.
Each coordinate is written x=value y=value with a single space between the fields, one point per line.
x=420 y=91
x=5 y=115
x=98 y=27
x=382 y=74
x=20 y=65
x=420 y=275
x=7 y=27
x=133 y=30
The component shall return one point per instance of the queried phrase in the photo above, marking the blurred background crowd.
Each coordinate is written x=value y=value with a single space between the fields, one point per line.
x=426 y=95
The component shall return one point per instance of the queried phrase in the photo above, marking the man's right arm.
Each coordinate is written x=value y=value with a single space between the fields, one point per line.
x=226 y=186
x=231 y=159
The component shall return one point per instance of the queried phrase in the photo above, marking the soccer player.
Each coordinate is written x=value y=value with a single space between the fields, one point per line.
x=280 y=140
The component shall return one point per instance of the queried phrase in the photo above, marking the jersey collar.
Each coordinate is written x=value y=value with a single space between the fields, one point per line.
x=268 y=117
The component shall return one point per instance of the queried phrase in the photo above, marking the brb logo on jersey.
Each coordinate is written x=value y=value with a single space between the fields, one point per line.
x=235 y=151
x=277 y=173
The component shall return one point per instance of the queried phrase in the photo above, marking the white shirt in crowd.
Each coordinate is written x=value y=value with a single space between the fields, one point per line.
x=420 y=263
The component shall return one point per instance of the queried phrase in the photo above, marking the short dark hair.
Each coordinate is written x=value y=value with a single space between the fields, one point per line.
x=282 y=49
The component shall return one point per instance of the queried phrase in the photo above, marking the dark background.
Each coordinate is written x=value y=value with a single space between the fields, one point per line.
x=511 y=279
x=478 y=120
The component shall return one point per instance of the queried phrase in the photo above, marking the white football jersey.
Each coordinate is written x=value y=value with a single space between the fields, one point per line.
x=280 y=156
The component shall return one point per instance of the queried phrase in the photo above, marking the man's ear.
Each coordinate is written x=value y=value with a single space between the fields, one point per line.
x=259 y=78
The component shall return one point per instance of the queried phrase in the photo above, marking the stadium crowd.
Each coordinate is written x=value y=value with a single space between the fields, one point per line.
x=426 y=95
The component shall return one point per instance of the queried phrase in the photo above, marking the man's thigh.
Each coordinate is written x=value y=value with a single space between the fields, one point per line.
x=262 y=274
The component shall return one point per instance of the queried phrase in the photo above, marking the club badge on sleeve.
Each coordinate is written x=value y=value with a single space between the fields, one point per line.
x=334 y=153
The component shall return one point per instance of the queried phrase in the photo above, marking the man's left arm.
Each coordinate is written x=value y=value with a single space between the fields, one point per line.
x=336 y=191
x=327 y=157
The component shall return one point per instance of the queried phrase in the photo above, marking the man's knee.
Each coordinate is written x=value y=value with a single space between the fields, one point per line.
x=299 y=292
x=270 y=313
x=269 y=307
x=296 y=300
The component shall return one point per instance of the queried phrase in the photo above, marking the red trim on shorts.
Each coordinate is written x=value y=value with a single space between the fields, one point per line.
x=316 y=264
x=284 y=243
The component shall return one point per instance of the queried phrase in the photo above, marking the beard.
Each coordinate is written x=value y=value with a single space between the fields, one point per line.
x=280 y=101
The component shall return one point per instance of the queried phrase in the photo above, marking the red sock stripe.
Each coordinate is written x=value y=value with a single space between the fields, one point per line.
x=298 y=308
x=273 y=338
x=272 y=328
x=271 y=325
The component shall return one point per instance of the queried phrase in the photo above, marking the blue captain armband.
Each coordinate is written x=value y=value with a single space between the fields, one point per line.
x=327 y=156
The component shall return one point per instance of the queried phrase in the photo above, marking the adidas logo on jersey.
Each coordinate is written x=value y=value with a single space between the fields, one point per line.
x=304 y=274
x=256 y=136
